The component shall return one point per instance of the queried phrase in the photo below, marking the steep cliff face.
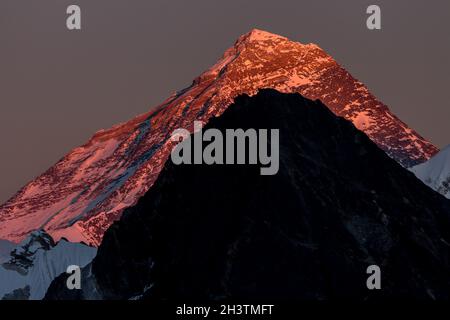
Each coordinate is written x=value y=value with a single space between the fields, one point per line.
x=80 y=196
x=337 y=205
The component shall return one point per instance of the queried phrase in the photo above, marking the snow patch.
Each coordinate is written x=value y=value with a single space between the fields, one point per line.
x=435 y=172
x=46 y=265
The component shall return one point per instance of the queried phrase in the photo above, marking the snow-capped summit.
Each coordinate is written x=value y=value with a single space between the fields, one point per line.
x=436 y=172
x=259 y=35
x=81 y=195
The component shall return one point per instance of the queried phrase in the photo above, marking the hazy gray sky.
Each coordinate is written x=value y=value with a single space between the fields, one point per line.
x=57 y=87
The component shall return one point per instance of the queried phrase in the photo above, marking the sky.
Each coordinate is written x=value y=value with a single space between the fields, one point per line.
x=58 y=87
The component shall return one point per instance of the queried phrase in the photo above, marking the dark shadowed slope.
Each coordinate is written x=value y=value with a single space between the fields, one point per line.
x=337 y=205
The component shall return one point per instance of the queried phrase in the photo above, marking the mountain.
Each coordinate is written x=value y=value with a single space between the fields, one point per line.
x=436 y=172
x=337 y=205
x=34 y=263
x=81 y=195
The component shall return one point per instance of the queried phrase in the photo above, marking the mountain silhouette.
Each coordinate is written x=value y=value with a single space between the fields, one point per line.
x=338 y=205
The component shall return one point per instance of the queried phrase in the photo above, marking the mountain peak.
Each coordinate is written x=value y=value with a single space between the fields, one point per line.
x=258 y=35
x=267 y=38
x=80 y=196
